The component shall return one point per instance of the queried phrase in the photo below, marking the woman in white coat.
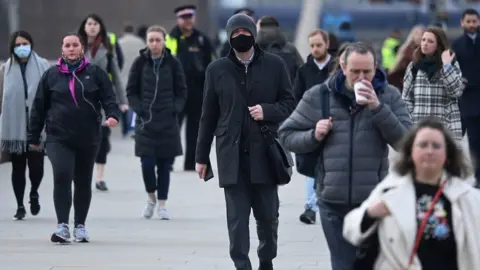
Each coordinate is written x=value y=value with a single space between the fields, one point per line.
x=412 y=234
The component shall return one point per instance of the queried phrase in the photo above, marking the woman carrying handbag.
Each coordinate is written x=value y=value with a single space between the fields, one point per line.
x=424 y=212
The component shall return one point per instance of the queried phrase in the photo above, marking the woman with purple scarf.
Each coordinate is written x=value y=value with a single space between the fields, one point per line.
x=68 y=104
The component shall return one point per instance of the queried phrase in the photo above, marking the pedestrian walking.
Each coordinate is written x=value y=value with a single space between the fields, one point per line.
x=466 y=47
x=68 y=104
x=19 y=77
x=239 y=103
x=195 y=51
x=348 y=122
x=101 y=52
x=433 y=82
x=156 y=90
x=315 y=71
x=424 y=214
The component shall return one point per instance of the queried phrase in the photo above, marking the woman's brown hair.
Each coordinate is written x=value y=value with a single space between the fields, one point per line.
x=442 y=45
x=456 y=163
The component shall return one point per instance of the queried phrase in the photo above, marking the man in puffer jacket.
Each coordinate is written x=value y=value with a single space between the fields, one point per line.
x=352 y=143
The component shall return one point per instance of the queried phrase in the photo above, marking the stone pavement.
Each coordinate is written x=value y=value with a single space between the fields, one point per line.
x=195 y=238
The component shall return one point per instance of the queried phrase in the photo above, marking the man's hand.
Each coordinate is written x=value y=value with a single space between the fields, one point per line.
x=111 y=122
x=256 y=112
x=322 y=128
x=369 y=93
x=201 y=170
x=34 y=147
x=124 y=107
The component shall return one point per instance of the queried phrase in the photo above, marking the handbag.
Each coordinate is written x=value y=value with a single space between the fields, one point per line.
x=307 y=163
x=281 y=161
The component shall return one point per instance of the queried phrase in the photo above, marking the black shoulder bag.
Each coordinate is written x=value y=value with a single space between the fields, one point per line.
x=307 y=163
x=281 y=161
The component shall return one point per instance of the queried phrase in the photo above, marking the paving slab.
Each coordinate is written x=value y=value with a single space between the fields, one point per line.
x=194 y=239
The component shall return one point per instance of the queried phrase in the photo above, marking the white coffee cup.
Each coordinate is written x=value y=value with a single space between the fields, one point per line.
x=356 y=87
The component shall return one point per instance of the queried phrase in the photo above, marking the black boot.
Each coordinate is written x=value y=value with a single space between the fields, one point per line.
x=265 y=266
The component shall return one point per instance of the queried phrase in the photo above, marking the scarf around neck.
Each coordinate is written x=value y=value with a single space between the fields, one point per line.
x=429 y=65
x=16 y=106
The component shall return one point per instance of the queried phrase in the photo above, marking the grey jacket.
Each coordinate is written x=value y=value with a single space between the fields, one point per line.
x=101 y=60
x=354 y=158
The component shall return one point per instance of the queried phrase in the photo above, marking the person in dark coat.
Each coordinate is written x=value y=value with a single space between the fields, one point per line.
x=68 y=104
x=467 y=51
x=195 y=51
x=155 y=80
x=238 y=102
x=315 y=71
x=225 y=50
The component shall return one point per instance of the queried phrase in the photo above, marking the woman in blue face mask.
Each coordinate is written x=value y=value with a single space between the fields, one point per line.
x=19 y=78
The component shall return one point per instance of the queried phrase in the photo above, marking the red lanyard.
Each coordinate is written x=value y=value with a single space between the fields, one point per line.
x=421 y=229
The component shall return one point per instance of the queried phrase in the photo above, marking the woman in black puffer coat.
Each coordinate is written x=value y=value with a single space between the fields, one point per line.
x=156 y=91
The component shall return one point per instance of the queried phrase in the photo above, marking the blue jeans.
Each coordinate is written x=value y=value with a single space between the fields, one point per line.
x=159 y=182
x=311 y=202
x=342 y=253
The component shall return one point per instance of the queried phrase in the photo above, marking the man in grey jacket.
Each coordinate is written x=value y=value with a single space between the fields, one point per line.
x=352 y=143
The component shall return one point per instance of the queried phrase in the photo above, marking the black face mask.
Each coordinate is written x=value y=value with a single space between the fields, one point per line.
x=242 y=43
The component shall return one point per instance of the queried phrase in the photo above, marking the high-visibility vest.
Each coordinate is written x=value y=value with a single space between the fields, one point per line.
x=171 y=43
x=113 y=41
x=389 y=55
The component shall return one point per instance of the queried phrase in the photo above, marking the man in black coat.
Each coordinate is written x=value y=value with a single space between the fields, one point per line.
x=245 y=91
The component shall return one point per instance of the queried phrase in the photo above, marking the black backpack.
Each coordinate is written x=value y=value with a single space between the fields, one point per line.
x=307 y=163
x=289 y=57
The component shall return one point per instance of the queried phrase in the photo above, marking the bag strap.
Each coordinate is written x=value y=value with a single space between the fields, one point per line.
x=325 y=104
x=421 y=229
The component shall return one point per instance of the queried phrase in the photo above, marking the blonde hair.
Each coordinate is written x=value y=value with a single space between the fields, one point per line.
x=408 y=42
x=158 y=29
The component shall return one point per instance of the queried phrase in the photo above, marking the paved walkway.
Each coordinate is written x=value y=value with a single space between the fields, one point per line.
x=195 y=238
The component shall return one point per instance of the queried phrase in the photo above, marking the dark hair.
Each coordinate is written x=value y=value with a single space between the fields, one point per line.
x=142 y=32
x=246 y=10
x=269 y=21
x=103 y=32
x=456 y=163
x=470 y=11
x=360 y=48
x=12 y=42
x=340 y=50
x=442 y=45
x=128 y=28
x=13 y=38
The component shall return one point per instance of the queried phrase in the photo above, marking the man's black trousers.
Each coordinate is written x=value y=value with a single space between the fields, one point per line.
x=240 y=200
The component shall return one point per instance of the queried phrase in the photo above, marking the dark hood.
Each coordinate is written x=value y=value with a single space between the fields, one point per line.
x=337 y=81
x=270 y=35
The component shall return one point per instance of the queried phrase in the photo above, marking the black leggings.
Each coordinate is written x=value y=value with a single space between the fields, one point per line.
x=34 y=161
x=71 y=163
x=104 y=147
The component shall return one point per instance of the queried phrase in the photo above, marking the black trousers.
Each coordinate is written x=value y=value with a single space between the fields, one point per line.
x=472 y=126
x=240 y=200
x=35 y=161
x=193 y=121
x=71 y=163
x=105 y=146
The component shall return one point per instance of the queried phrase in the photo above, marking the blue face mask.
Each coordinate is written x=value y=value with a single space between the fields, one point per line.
x=22 y=51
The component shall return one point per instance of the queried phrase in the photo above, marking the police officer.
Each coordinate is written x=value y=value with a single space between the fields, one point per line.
x=195 y=52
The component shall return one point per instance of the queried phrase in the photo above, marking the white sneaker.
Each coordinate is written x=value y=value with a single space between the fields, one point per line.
x=163 y=213
x=149 y=209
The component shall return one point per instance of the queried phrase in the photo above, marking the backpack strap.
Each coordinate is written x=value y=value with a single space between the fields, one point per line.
x=325 y=103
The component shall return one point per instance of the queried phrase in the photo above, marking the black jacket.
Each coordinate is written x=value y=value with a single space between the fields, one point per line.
x=195 y=53
x=156 y=91
x=467 y=53
x=72 y=119
x=229 y=89
x=309 y=75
